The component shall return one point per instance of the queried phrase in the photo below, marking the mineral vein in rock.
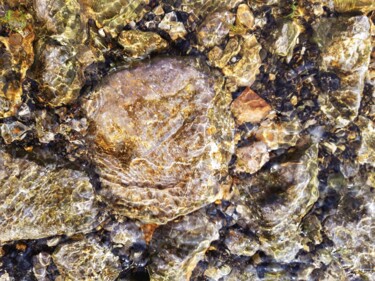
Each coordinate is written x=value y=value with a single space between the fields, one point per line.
x=161 y=139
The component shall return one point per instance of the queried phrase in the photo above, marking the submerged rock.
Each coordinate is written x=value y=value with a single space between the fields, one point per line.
x=41 y=201
x=112 y=16
x=350 y=228
x=242 y=73
x=251 y=159
x=273 y=202
x=13 y=131
x=16 y=57
x=171 y=25
x=161 y=137
x=249 y=107
x=286 y=39
x=140 y=44
x=366 y=153
x=244 y=17
x=279 y=134
x=178 y=246
x=215 y=28
x=343 y=6
x=59 y=74
x=346 y=47
x=202 y=8
x=86 y=260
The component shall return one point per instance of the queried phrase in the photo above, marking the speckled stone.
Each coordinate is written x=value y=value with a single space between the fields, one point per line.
x=40 y=201
x=161 y=136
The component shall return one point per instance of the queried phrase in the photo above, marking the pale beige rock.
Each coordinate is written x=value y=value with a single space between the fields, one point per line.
x=174 y=28
x=215 y=28
x=249 y=107
x=251 y=159
x=86 y=260
x=286 y=39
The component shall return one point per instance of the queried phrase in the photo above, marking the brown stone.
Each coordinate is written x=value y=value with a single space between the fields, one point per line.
x=249 y=107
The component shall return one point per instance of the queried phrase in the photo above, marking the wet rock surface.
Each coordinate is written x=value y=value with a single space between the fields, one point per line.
x=166 y=146
x=187 y=140
x=39 y=202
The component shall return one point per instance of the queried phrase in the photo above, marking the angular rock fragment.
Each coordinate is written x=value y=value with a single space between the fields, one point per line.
x=86 y=260
x=178 y=246
x=251 y=159
x=346 y=49
x=286 y=39
x=220 y=58
x=240 y=244
x=273 y=202
x=161 y=136
x=242 y=73
x=171 y=25
x=244 y=17
x=214 y=28
x=366 y=152
x=140 y=44
x=13 y=131
x=249 y=107
x=41 y=201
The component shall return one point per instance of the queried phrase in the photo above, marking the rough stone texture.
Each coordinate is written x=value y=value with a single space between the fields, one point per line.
x=346 y=51
x=16 y=57
x=112 y=16
x=244 y=17
x=351 y=230
x=215 y=28
x=59 y=75
x=251 y=159
x=249 y=107
x=174 y=28
x=126 y=233
x=350 y=6
x=201 y=8
x=177 y=144
x=86 y=260
x=240 y=244
x=41 y=201
x=243 y=72
x=140 y=44
x=178 y=246
x=286 y=39
x=276 y=134
x=274 y=201
x=366 y=153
